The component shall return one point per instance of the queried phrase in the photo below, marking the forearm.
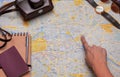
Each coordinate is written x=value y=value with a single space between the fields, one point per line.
x=102 y=71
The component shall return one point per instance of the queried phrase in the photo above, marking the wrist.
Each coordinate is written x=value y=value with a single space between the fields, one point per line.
x=102 y=70
x=99 y=65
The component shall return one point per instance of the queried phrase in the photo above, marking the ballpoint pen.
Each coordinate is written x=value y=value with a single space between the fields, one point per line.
x=27 y=47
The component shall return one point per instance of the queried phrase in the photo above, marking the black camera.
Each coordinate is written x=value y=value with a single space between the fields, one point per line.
x=33 y=8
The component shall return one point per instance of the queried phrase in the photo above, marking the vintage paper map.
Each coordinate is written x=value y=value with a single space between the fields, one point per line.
x=56 y=47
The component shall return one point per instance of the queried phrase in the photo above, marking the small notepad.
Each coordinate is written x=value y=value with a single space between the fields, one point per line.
x=23 y=45
x=12 y=63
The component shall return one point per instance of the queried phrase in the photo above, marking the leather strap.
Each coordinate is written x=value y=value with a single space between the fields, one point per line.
x=111 y=19
x=5 y=39
x=92 y=3
x=105 y=14
x=7 y=11
x=3 y=10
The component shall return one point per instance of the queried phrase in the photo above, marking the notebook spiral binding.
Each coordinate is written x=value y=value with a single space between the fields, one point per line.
x=19 y=34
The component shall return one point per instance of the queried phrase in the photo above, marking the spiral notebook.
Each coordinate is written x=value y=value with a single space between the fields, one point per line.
x=22 y=43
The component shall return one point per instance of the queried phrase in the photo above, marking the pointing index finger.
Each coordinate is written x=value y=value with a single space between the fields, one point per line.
x=84 y=42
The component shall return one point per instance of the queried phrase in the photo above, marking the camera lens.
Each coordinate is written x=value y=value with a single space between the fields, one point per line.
x=36 y=3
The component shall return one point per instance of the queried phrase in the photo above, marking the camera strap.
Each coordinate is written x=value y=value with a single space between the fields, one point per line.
x=5 y=34
x=5 y=9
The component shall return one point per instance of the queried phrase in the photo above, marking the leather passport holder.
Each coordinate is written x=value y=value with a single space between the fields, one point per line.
x=12 y=63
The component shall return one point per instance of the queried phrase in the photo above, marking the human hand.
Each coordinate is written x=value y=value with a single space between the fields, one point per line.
x=95 y=55
x=96 y=58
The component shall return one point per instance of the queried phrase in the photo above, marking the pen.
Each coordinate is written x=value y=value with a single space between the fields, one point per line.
x=27 y=47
